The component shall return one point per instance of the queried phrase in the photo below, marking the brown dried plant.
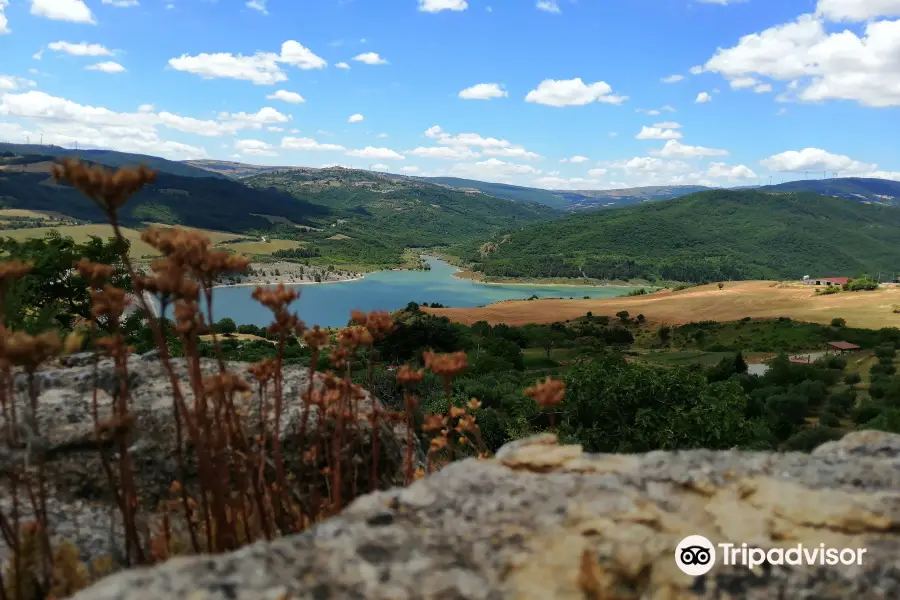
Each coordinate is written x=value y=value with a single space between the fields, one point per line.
x=243 y=489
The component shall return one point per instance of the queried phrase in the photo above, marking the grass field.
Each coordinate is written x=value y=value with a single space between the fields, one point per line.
x=21 y=212
x=81 y=233
x=758 y=299
x=262 y=248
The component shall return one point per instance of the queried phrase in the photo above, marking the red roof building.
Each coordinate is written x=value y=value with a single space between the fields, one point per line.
x=842 y=346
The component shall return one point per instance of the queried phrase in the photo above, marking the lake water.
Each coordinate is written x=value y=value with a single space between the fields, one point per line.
x=329 y=304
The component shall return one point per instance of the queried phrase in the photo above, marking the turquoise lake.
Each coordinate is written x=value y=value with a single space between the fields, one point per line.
x=329 y=304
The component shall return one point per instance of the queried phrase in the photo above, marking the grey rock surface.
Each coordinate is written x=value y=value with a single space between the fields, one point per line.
x=80 y=503
x=544 y=521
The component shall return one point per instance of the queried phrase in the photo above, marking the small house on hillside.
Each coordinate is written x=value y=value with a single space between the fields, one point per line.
x=825 y=280
x=841 y=347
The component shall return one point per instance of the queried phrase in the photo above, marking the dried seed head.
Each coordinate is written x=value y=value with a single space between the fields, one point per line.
x=434 y=423
x=97 y=274
x=29 y=351
x=13 y=269
x=406 y=375
x=546 y=393
x=316 y=338
x=108 y=189
x=445 y=365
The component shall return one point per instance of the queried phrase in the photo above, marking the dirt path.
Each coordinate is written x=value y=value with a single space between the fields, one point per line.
x=737 y=300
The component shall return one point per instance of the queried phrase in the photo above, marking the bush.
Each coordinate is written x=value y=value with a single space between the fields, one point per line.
x=838 y=322
x=226 y=326
x=852 y=378
x=810 y=439
x=829 y=419
x=886 y=351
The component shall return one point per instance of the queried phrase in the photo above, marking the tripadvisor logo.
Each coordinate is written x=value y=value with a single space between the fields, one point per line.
x=695 y=555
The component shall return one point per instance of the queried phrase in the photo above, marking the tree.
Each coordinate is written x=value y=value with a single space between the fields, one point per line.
x=852 y=378
x=547 y=338
x=226 y=326
x=623 y=315
x=838 y=322
x=665 y=332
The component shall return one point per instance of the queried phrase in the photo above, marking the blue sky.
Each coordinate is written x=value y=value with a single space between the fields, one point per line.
x=557 y=94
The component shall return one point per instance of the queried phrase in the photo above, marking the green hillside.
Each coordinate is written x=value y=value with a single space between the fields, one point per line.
x=382 y=215
x=110 y=158
x=207 y=202
x=707 y=236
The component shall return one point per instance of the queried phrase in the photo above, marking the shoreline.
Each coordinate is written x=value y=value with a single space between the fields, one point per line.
x=572 y=285
x=286 y=284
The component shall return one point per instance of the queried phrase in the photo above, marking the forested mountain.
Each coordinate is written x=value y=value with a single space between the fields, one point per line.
x=706 y=236
x=884 y=191
x=110 y=158
x=549 y=198
x=235 y=170
x=207 y=202
x=399 y=212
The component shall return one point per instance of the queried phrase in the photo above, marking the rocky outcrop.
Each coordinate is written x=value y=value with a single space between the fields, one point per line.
x=79 y=506
x=544 y=521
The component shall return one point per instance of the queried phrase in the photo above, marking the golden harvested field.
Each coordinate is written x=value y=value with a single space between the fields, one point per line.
x=81 y=233
x=21 y=212
x=216 y=237
x=250 y=248
x=704 y=303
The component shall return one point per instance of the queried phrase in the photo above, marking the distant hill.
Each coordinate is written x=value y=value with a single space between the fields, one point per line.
x=375 y=214
x=571 y=200
x=207 y=202
x=110 y=158
x=235 y=170
x=594 y=199
x=707 y=236
x=501 y=190
x=882 y=191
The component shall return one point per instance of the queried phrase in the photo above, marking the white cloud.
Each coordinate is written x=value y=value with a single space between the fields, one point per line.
x=552 y=182
x=80 y=49
x=613 y=134
x=75 y=11
x=259 y=5
x=572 y=92
x=37 y=55
x=370 y=58
x=668 y=108
x=490 y=146
x=668 y=125
x=826 y=66
x=492 y=169
x=381 y=135
x=410 y=169
x=122 y=3
x=814 y=159
x=721 y=2
x=675 y=149
x=857 y=10
x=380 y=167
x=297 y=55
x=357 y=118
x=575 y=159
x=657 y=133
x=294 y=143
x=255 y=148
x=672 y=78
x=781 y=112
x=4 y=22
x=275 y=129
x=12 y=83
x=65 y=122
x=433 y=6
x=483 y=91
x=597 y=172
x=763 y=88
x=145 y=108
x=285 y=96
x=262 y=68
x=262 y=116
x=107 y=67
x=720 y=170
x=445 y=152
x=376 y=153
x=743 y=82
x=702 y=98
x=342 y=65
x=652 y=112
x=548 y=6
